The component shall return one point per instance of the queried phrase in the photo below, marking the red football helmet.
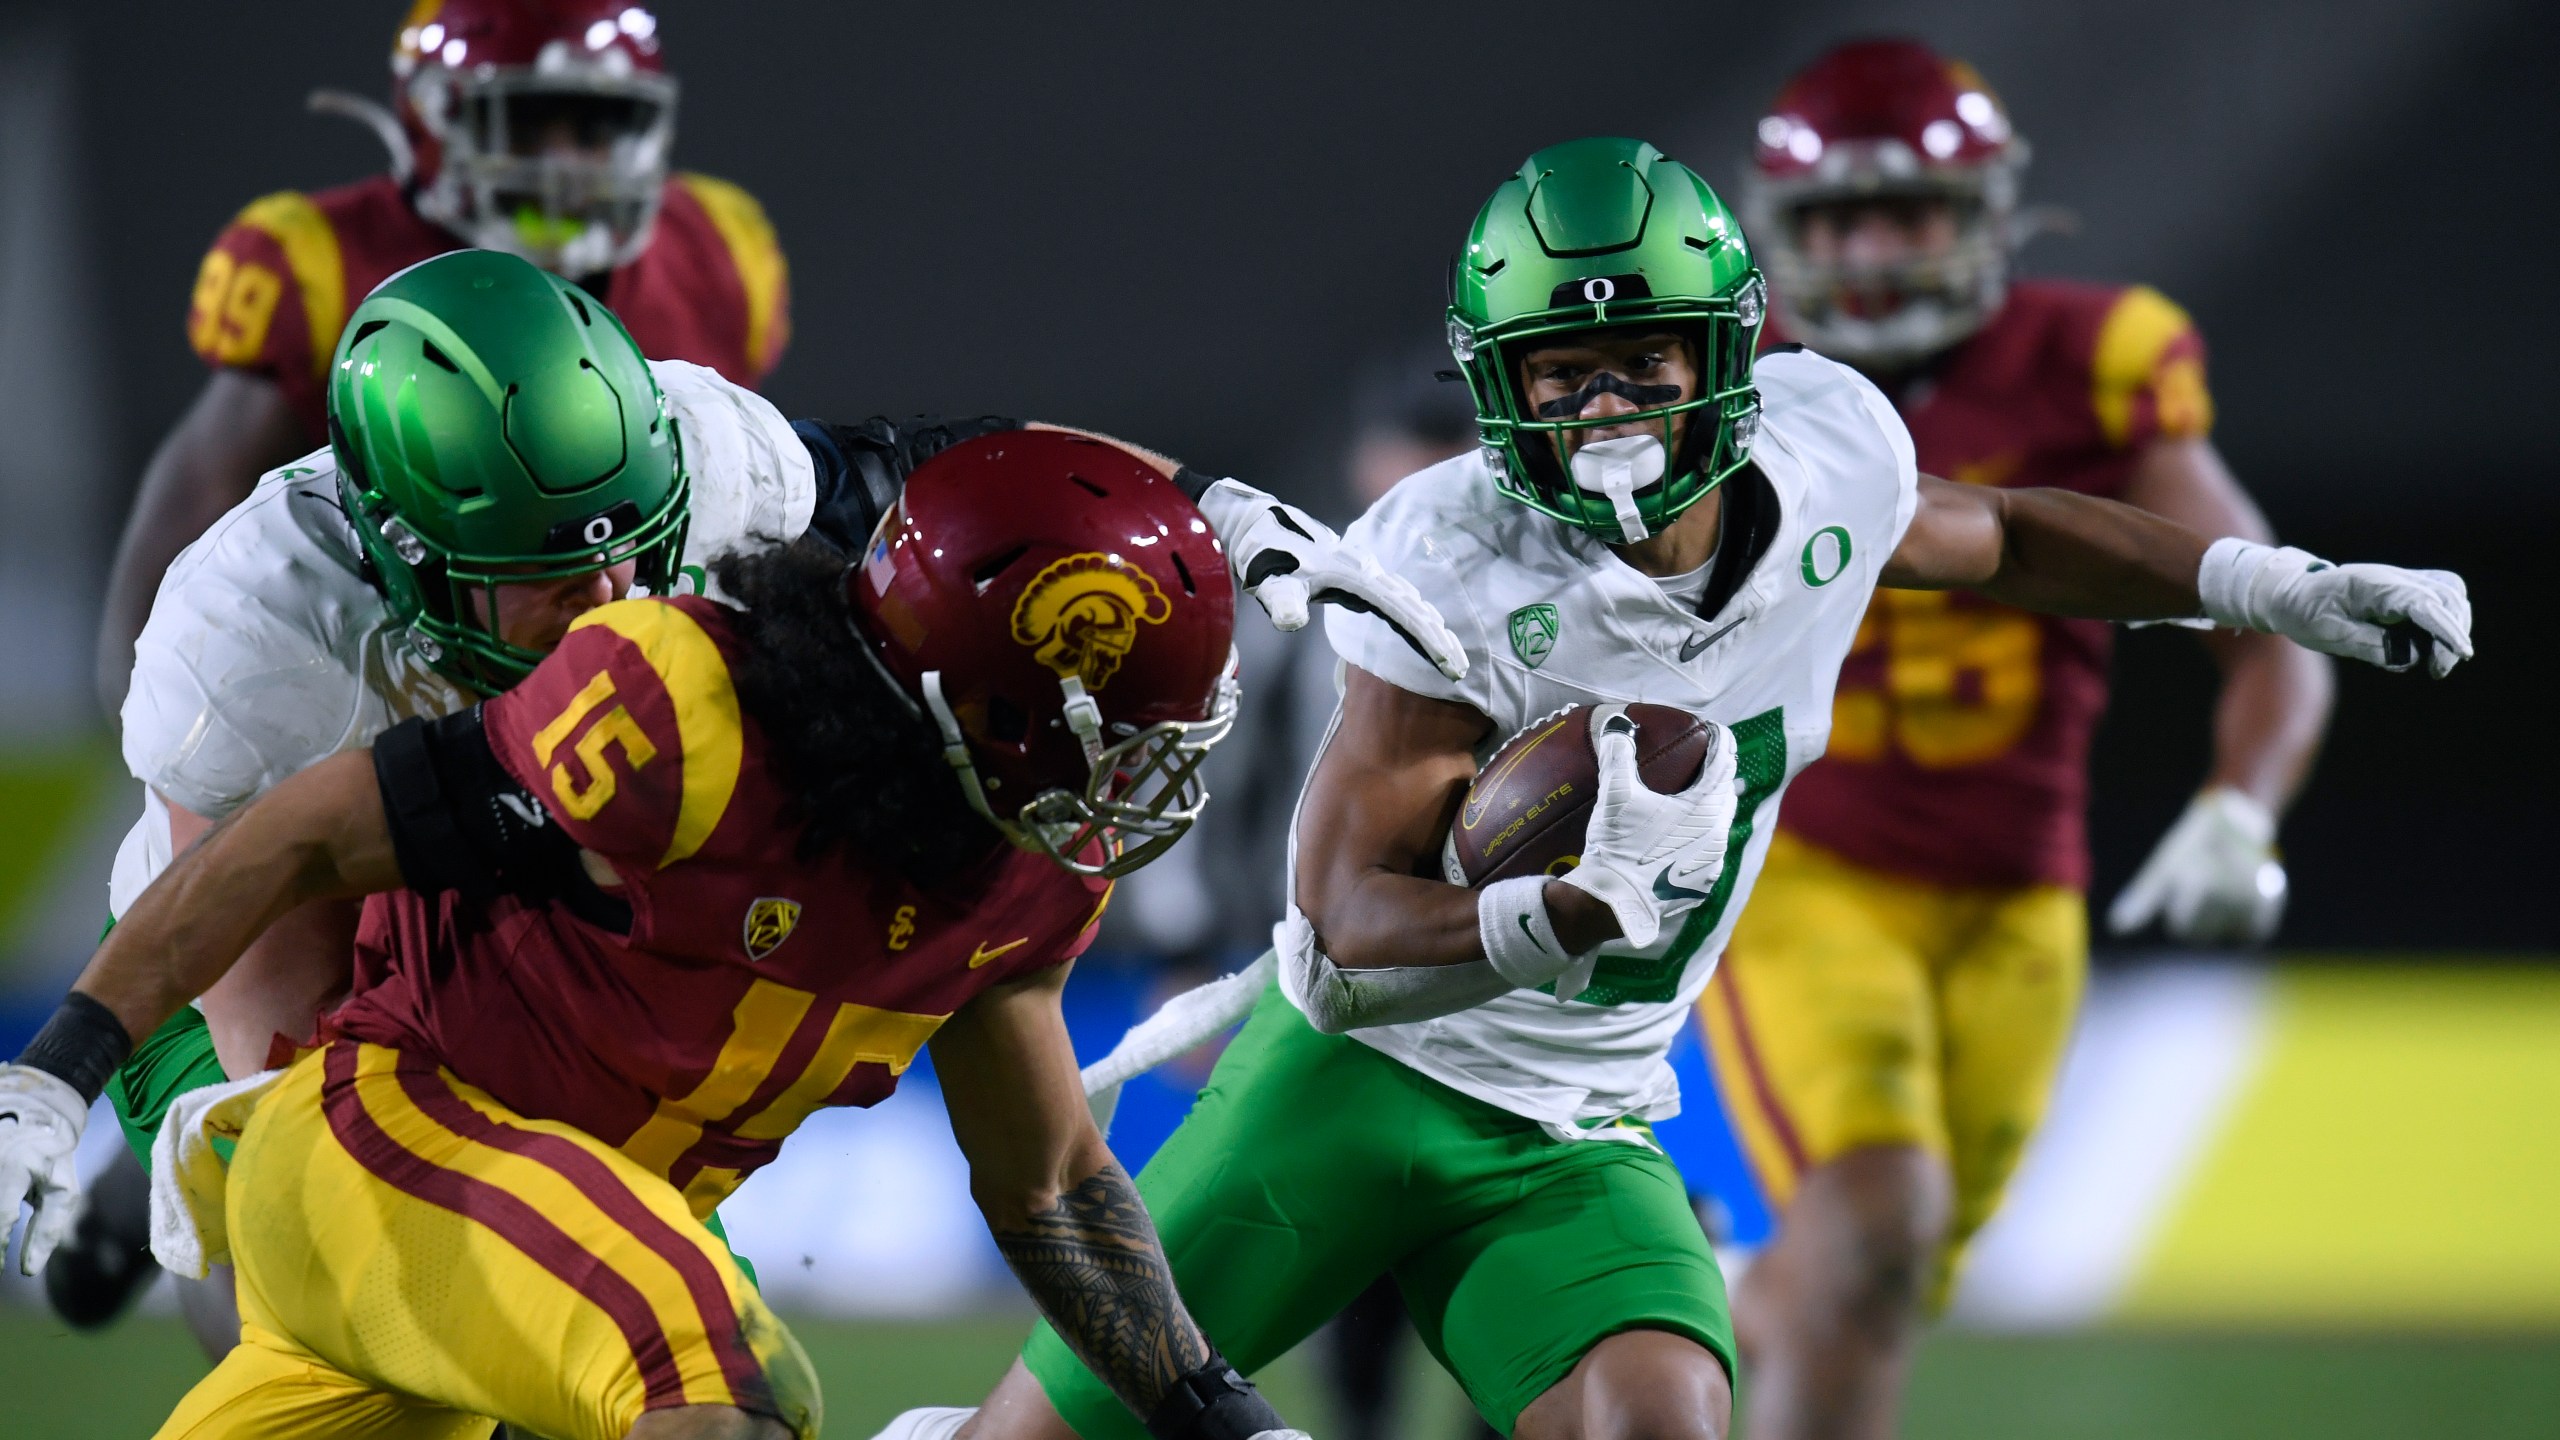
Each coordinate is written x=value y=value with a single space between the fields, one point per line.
x=1878 y=119
x=537 y=127
x=1064 y=615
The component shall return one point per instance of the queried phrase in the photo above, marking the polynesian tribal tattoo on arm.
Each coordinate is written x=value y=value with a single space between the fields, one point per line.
x=1095 y=1269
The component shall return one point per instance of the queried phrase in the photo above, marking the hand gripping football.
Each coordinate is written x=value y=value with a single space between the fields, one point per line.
x=1529 y=807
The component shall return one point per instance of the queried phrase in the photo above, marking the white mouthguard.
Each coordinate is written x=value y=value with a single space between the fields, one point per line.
x=1618 y=469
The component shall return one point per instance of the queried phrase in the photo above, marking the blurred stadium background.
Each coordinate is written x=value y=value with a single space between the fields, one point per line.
x=2298 y=1193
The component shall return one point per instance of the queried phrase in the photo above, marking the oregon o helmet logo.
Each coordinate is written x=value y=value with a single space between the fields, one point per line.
x=599 y=530
x=1081 y=615
x=1599 y=289
x=1821 y=564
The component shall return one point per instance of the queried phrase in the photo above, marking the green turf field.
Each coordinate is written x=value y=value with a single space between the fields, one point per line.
x=2083 y=1387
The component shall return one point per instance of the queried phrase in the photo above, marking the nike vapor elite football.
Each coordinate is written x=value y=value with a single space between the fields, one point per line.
x=1529 y=807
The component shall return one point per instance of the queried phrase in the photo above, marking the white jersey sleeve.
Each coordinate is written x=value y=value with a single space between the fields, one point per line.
x=1415 y=532
x=753 y=482
x=266 y=650
x=251 y=665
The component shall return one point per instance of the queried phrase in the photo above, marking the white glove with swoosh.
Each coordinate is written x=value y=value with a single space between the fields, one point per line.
x=41 y=1117
x=2380 y=614
x=1288 y=560
x=1652 y=858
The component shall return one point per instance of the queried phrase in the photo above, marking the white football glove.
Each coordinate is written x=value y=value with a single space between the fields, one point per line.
x=2213 y=879
x=1652 y=858
x=1288 y=560
x=2380 y=614
x=40 y=1121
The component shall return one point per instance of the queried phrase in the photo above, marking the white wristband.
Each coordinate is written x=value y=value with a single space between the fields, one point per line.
x=2222 y=582
x=1519 y=939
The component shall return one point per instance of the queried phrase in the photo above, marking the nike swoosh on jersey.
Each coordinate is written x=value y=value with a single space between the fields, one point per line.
x=1690 y=647
x=982 y=954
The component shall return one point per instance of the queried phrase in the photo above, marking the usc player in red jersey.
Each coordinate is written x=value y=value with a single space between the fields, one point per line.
x=538 y=127
x=1890 y=1014
x=708 y=868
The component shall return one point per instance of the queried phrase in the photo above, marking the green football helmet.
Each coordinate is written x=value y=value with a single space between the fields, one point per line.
x=1608 y=233
x=494 y=425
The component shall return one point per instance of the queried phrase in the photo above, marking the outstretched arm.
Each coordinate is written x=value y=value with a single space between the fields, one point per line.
x=1069 y=1220
x=2050 y=550
x=2070 y=554
x=320 y=835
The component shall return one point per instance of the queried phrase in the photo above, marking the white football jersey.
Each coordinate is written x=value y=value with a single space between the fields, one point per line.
x=267 y=650
x=1551 y=617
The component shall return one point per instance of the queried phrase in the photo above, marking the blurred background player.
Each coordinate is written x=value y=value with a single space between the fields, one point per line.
x=1895 y=1002
x=539 y=127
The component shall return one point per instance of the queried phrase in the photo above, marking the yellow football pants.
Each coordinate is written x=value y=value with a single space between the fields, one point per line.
x=415 y=1260
x=1855 y=1008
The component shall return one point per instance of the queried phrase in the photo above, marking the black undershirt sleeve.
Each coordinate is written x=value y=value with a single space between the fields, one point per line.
x=460 y=822
x=862 y=466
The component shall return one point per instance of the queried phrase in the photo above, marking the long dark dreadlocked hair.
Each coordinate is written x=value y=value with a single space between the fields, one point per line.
x=866 y=773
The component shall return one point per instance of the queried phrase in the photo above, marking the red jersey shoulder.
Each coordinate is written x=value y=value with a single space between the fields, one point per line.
x=2125 y=359
x=275 y=288
x=629 y=731
x=713 y=287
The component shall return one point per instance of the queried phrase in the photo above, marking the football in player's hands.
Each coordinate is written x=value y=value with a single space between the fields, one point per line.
x=1530 y=807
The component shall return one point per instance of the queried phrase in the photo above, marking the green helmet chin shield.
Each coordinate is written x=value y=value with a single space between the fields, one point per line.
x=495 y=426
x=1607 y=233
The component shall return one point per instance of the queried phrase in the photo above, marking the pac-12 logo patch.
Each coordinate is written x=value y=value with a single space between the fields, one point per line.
x=1081 y=615
x=1533 y=633
x=770 y=921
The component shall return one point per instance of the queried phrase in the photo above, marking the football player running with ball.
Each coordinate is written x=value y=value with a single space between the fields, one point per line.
x=1888 y=1020
x=712 y=864
x=1656 y=518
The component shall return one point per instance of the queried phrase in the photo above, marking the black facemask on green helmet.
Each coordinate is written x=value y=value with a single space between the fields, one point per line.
x=1608 y=234
x=493 y=426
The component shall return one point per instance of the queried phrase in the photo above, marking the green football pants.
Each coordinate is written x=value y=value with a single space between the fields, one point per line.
x=1312 y=1163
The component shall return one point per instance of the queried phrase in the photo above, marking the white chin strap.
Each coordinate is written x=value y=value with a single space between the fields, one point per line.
x=1618 y=469
x=955 y=749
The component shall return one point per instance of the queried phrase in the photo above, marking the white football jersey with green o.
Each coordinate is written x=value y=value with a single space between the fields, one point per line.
x=1551 y=617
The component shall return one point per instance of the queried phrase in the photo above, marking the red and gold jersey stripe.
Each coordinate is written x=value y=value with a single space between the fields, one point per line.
x=763 y=273
x=2148 y=371
x=426 y=1134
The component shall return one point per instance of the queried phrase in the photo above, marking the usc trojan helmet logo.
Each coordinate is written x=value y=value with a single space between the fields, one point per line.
x=1081 y=615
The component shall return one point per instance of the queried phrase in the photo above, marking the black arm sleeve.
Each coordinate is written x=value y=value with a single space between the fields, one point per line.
x=460 y=822
x=862 y=466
